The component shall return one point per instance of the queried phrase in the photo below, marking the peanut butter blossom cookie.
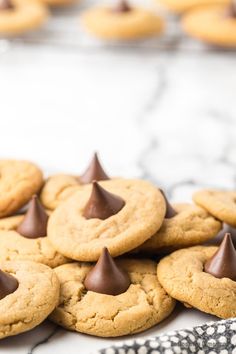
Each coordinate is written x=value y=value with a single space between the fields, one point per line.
x=19 y=181
x=60 y=187
x=112 y=298
x=180 y=6
x=28 y=294
x=19 y=16
x=28 y=239
x=214 y=24
x=118 y=214
x=202 y=277
x=122 y=22
x=184 y=225
x=221 y=204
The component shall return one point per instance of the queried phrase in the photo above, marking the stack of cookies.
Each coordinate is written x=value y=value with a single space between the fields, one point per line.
x=83 y=250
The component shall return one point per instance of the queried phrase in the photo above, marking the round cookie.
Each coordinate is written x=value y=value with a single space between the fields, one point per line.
x=212 y=25
x=19 y=181
x=34 y=299
x=141 y=306
x=192 y=225
x=57 y=189
x=122 y=24
x=14 y=246
x=183 y=277
x=19 y=16
x=83 y=239
x=179 y=6
x=221 y=204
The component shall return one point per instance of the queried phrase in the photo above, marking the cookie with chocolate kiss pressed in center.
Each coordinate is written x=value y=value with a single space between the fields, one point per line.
x=24 y=286
x=184 y=225
x=122 y=215
x=202 y=277
x=60 y=187
x=26 y=238
x=122 y=22
x=20 y=16
x=124 y=294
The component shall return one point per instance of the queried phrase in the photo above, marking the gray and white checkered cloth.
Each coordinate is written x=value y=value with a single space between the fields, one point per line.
x=210 y=338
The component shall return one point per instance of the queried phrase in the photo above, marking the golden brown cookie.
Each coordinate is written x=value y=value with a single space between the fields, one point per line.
x=19 y=16
x=183 y=277
x=191 y=226
x=57 y=189
x=83 y=239
x=179 y=6
x=14 y=246
x=34 y=299
x=212 y=25
x=221 y=204
x=140 y=307
x=108 y=23
x=19 y=181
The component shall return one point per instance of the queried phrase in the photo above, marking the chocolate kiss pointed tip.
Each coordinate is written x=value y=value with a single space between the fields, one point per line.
x=106 y=277
x=102 y=204
x=223 y=262
x=34 y=224
x=94 y=172
x=122 y=6
x=8 y=284
x=170 y=211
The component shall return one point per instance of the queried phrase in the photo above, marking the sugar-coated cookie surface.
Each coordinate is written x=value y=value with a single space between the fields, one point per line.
x=221 y=204
x=211 y=24
x=144 y=304
x=136 y=23
x=34 y=299
x=19 y=181
x=182 y=276
x=81 y=239
x=191 y=226
x=24 y=15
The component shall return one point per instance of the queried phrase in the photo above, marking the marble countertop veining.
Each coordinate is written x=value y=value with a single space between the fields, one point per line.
x=163 y=110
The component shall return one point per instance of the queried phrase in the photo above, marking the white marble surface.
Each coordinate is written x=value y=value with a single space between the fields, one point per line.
x=164 y=110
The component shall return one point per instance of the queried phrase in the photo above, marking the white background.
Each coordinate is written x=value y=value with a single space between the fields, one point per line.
x=164 y=110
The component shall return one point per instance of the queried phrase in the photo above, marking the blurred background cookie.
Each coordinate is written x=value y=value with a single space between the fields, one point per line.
x=122 y=21
x=214 y=24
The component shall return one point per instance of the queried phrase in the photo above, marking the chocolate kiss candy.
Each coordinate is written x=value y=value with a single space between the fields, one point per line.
x=223 y=262
x=122 y=6
x=229 y=230
x=102 y=204
x=6 y=5
x=8 y=284
x=34 y=224
x=231 y=10
x=170 y=211
x=94 y=172
x=106 y=277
